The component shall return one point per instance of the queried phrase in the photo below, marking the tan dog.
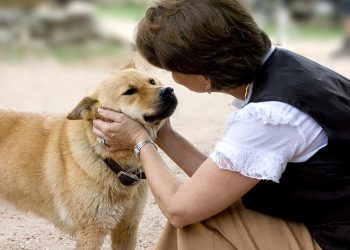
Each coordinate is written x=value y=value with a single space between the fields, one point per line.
x=55 y=168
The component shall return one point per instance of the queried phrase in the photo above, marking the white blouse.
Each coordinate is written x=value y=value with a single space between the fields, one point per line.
x=261 y=138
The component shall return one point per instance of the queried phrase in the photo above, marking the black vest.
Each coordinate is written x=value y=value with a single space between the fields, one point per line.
x=315 y=192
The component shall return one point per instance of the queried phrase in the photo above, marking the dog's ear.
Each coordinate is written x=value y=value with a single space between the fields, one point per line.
x=130 y=65
x=85 y=110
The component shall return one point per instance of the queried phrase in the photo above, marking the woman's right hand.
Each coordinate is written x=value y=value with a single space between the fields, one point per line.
x=121 y=132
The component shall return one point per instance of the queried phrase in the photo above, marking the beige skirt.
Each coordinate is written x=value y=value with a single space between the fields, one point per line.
x=238 y=228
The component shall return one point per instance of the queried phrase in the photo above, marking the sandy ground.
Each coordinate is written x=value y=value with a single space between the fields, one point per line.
x=51 y=87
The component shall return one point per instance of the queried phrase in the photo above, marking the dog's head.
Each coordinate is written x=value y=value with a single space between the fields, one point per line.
x=132 y=92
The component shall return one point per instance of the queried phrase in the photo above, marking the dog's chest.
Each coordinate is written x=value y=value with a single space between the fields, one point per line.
x=108 y=216
x=113 y=207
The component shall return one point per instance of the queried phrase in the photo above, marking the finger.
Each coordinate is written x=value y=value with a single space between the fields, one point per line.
x=98 y=132
x=113 y=148
x=97 y=124
x=110 y=114
x=102 y=126
x=110 y=148
x=106 y=143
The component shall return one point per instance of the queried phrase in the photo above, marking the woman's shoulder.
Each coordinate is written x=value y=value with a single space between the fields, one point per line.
x=271 y=112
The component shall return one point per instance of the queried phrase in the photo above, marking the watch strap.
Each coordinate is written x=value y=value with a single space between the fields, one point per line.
x=138 y=147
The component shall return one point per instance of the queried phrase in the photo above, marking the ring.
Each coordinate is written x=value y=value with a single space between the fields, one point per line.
x=101 y=141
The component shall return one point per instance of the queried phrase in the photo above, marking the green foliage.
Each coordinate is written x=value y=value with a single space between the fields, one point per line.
x=319 y=33
x=11 y=55
x=64 y=53
x=122 y=10
x=310 y=32
x=76 y=52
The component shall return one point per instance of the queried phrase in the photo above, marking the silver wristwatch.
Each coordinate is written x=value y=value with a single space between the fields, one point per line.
x=139 y=145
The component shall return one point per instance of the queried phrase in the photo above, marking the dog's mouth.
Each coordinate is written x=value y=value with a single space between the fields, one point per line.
x=166 y=108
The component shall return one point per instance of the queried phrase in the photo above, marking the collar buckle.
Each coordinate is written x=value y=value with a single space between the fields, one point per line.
x=128 y=179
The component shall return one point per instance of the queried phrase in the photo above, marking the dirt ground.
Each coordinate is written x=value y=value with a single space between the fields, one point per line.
x=52 y=87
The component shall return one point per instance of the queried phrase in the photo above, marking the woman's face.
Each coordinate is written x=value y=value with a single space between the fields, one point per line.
x=196 y=83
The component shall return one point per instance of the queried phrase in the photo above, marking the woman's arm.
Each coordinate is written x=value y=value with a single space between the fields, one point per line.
x=209 y=190
x=182 y=152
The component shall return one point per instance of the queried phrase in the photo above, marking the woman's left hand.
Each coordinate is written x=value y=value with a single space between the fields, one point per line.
x=121 y=133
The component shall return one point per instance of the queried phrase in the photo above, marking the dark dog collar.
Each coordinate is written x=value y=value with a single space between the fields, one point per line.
x=126 y=179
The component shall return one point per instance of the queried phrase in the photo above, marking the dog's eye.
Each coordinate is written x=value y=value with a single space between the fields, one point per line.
x=152 y=81
x=130 y=91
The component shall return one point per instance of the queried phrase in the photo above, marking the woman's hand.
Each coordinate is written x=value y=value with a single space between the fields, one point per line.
x=122 y=133
x=164 y=132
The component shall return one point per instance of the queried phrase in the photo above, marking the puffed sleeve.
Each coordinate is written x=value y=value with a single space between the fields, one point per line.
x=260 y=140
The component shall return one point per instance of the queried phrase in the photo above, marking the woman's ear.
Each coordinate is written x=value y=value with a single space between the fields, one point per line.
x=85 y=110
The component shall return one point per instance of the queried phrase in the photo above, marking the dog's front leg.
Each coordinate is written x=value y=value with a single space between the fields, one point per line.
x=124 y=235
x=89 y=239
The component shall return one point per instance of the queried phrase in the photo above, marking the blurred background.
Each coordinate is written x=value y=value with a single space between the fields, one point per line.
x=70 y=30
x=54 y=52
x=51 y=45
x=65 y=29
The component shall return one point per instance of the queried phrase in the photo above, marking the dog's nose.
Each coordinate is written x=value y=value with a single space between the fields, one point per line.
x=166 y=92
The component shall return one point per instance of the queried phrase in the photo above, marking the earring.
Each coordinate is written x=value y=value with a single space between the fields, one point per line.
x=246 y=92
x=208 y=88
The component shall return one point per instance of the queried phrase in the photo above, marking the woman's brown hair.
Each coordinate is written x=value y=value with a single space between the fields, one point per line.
x=215 y=38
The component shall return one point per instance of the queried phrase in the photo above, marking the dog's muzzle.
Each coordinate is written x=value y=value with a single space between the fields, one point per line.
x=166 y=105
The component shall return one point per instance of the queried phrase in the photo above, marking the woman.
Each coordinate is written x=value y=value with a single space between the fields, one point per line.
x=285 y=150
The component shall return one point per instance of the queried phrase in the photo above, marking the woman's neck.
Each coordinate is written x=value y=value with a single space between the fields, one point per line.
x=239 y=92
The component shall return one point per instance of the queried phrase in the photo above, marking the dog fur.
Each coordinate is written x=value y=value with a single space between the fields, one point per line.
x=51 y=166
